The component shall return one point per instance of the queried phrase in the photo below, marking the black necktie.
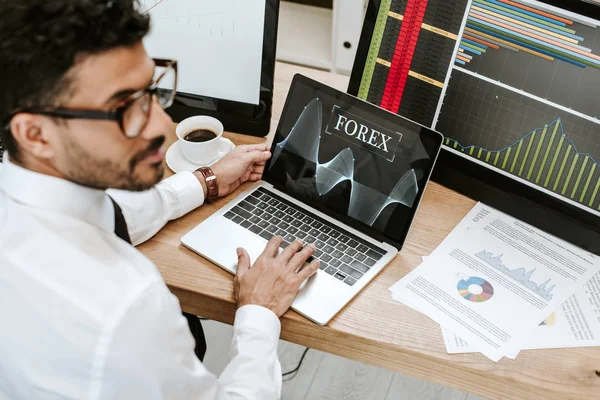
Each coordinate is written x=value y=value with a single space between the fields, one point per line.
x=120 y=224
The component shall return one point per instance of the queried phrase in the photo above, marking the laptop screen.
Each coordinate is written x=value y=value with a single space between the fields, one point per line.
x=351 y=160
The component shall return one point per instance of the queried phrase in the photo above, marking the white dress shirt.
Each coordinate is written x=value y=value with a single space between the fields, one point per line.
x=84 y=315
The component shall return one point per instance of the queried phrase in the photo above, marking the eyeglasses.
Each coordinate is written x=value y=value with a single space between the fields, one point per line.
x=134 y=113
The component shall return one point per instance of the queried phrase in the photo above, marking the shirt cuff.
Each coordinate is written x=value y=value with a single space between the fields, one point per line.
x=188 y=190
x=258 y=318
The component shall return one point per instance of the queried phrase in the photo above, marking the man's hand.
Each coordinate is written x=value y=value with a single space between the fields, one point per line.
x=242 y=164
x=272 y=281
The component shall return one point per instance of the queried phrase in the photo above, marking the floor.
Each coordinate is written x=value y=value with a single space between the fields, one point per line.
x=328 y=377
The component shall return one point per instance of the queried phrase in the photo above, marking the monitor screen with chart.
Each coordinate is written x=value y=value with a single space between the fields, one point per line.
x=511 y=84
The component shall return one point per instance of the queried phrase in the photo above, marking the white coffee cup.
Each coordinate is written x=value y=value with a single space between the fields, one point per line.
x=200 y=153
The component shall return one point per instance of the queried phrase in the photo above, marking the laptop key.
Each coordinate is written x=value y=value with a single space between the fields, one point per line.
x=349 y=251
x=238 y=220
x=317 y=253
x=337 y=254
x=319 y=244
x=289 y=238
x=328 y=249
x=350 y=281
x=340 y=276
x=351 y=271
x=275 y=221
x=279 y=214
x=272 y=229
x=305 y=228
x=262 y=206
x=316 y=224
x=360 y=257
x=299 y=215
x=281 y=206
x=252 y=200
x=290 y=211
x=258 y=212
x=335 y=263
x=310 y=239
x=362 y=248
x=273 y=202
x=281 y=233
x=331 y=270
x=314 y=232
x=370 y=262
x=257 y=194
x=344 y=239
x=352 y=243
x=246 y=206
x=292 y=230
x=325 y=229
x=284 y=225
x=332 y=242
x=374 y=255
x=346 y=259
x=271 y=210
x=246 y=224
x=255 y=229
x=255 y=219
x=326 y=257
x=301 y=235
x=341 y=247
x=296 y=223
x=307 y=220
x=359 y=266
x=266 y=217
x=240 y=211
x=263 y=224
x=229 y=215
x=334 y=234
x=288 y=218
x=323 y=237
x=323 y=266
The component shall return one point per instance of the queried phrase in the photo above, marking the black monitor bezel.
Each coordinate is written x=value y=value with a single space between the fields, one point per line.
x=244 y=118
x=436 y=137
x=547 y=212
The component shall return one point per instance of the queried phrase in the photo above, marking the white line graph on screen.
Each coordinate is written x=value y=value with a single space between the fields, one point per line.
x=210 y=16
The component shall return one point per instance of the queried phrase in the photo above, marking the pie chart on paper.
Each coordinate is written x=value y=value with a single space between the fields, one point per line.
x=475 y=289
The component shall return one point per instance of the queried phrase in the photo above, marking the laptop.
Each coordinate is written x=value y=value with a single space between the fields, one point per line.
x=345 y=175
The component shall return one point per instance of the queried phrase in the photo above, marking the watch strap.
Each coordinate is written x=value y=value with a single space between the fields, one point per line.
x=212 y=185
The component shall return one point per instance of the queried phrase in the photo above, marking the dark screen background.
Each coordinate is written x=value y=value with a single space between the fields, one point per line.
x=295 y=175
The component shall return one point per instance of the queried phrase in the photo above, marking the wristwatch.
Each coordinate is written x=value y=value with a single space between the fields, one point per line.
x=211 y=183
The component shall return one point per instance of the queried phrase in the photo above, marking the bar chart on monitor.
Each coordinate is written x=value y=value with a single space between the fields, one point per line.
x=218 y=44
x=522 y=96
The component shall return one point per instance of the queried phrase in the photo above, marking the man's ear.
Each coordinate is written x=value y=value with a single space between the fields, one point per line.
x=31 y=134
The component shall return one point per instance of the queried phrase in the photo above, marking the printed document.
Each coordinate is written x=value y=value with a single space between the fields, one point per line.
x=495 y=279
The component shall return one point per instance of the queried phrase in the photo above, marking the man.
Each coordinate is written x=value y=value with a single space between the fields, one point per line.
x=84 y=315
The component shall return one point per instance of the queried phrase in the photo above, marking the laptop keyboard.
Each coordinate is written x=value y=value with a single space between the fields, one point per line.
x=341 y=254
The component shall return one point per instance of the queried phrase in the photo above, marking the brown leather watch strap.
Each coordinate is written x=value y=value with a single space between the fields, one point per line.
x=211 y=183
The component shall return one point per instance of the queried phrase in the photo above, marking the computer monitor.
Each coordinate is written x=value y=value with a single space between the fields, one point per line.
x=513 y=85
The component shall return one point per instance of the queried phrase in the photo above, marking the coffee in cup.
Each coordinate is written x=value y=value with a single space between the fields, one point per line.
x=200 y=135
x=200 y=139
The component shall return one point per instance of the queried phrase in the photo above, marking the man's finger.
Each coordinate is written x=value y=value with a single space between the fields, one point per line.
x=243 y=261
x=254 y=177
x=254 y=147
x=290 y=251
x=258 y=169
x=308 y=271
x=253 y=157
x=273 y=246
x=300 y=257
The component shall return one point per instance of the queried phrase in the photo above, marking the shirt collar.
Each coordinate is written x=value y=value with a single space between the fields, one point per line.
x=58 y=195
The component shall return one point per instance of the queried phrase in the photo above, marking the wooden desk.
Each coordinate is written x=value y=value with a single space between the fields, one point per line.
x=373 y=328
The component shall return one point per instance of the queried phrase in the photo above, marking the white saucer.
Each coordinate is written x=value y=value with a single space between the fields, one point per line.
x=177 y=162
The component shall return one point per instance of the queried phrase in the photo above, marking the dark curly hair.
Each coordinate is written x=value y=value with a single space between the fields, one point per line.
x=41 y=40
